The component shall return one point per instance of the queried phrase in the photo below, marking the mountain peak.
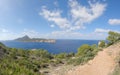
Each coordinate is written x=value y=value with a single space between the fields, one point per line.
x=26 y=36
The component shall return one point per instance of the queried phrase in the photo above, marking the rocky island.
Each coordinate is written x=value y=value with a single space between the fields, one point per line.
x=28 y=39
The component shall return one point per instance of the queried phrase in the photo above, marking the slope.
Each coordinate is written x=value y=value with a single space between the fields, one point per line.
x=103 y=64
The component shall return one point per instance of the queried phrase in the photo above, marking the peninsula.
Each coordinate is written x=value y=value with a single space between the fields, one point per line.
x=28 y=39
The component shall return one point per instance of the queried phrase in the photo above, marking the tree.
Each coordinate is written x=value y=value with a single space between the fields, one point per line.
x=84 y=49
x=101 y=44
x=113 y=37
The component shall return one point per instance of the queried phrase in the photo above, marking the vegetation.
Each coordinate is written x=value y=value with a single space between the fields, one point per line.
x=84 y=54
x=117 y=68
x=101 y=44
x=18 y=63
x=113 y=37
x=30 y=62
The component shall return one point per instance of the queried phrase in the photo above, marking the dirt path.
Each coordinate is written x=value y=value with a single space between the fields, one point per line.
x=102 y=64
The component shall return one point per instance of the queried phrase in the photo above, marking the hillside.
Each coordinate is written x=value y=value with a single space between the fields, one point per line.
x=103 y=64
x=2 y=50
x=24 y=38
x=28 y=62
x=36 y=62
x=28 y=39
x=89 y=60
x=39 y=62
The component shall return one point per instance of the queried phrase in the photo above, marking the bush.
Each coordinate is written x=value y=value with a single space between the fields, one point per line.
x=101 y=44
x=84 y=54
x=116 y=71
x=8 y=67
x=113 y=37
x=84 y=49
x=61 y=56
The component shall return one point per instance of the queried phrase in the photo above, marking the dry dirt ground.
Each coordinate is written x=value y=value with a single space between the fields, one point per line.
x=103 y=64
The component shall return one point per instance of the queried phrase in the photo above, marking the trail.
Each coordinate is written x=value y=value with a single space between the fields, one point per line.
x=103 y=64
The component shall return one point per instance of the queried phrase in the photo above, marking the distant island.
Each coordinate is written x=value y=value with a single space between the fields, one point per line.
x=28 y=39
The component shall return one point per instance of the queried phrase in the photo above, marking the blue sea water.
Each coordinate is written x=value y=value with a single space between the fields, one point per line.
x=59 y=47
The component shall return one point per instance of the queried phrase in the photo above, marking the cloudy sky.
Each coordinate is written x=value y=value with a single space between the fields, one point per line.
x=59 y=19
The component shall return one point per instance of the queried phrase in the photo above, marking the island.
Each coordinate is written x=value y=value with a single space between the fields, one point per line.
x=28 y=39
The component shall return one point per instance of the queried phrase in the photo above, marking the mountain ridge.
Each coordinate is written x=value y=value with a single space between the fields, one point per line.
x=26 y=38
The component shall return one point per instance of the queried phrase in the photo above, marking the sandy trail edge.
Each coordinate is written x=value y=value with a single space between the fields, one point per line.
x=102 y=64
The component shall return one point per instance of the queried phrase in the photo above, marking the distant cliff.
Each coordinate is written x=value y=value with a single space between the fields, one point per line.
x=28 y=39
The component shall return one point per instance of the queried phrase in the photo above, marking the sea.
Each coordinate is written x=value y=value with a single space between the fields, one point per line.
x=60 y=46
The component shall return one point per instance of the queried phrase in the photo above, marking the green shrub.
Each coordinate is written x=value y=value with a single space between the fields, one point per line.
x=116 y=71
x=101 y=44
x=84 y=54
x=8 y=67
x=61 y=56
x=113 y=37
x=84 y=49
x=29 y=62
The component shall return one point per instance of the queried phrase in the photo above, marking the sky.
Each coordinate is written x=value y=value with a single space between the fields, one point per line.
x=59 y=19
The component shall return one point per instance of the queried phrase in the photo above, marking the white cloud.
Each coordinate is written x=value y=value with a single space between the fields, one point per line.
x=11 y=35
x=77 y=35
x=52 y=25
x=31 y=33
x=6 y=34
x=66 y=34
x=114 y=21
x=80 y=15
x=55 y=17
x=2 y=30
x=53 y=35
x=86 y=14
x=100 y=33
x=99 y=30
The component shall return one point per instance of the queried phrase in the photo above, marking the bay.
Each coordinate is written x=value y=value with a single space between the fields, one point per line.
x=59 y=46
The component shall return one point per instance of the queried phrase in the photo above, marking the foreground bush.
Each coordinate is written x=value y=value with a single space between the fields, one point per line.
x=84 y=54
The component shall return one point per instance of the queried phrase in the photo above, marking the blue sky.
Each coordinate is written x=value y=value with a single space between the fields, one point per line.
x=59 y=19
